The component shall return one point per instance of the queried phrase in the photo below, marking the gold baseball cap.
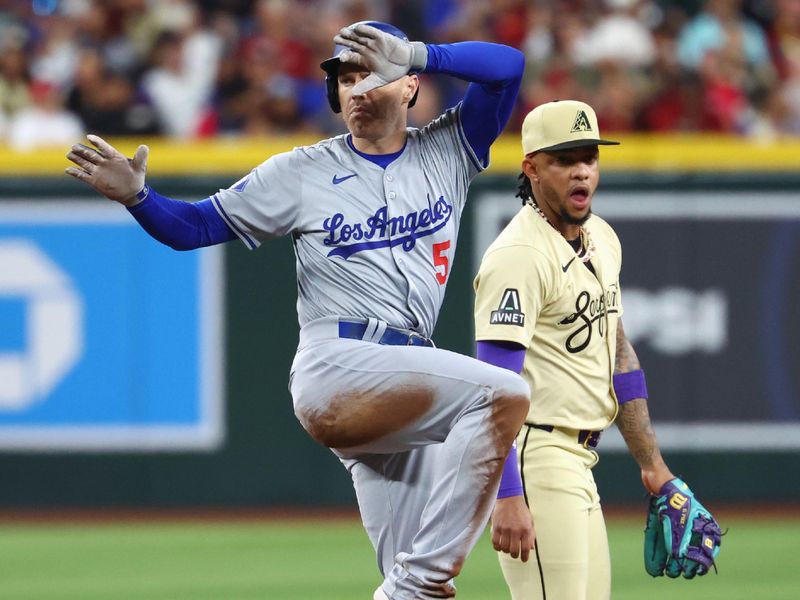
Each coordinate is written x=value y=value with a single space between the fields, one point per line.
x=561 y=125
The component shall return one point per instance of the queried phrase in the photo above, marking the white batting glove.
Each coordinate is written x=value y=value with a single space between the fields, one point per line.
x=386 y=57
x=115 y=176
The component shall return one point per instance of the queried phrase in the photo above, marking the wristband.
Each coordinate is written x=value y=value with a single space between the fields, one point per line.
x=510 y=482
x=630 y=385
x=419 y=57
x=140 y=196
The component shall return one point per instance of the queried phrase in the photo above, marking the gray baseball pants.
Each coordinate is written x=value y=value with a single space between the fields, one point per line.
x=427 y=480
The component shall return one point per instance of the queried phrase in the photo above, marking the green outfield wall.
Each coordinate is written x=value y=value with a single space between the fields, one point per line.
x=712 y=263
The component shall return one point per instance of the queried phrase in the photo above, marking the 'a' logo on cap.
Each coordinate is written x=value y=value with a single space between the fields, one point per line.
x=581 y=123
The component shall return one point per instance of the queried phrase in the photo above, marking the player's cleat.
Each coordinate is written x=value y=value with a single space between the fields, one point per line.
x=380 y=595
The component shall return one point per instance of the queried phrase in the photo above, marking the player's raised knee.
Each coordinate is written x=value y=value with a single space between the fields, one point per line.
x=512 y=399
x=513 y=390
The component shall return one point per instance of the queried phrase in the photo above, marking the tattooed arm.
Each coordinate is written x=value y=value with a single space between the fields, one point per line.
x=633 y=421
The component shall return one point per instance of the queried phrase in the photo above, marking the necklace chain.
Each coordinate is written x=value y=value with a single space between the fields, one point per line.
x=587 y=249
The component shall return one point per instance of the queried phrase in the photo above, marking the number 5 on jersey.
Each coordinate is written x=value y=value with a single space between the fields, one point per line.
x=440 y=259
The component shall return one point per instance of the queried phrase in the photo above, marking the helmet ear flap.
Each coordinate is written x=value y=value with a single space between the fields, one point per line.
x=332 y=90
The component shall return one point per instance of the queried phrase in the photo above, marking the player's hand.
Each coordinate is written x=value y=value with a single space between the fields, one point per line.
x=386 y=57
x=655 y=477
x=108 y=171
x=512 y=527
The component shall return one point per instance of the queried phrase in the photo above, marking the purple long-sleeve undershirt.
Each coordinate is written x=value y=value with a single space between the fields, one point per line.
x=511 y=356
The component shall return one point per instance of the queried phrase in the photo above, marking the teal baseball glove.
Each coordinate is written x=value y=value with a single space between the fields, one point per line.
x=680 y=537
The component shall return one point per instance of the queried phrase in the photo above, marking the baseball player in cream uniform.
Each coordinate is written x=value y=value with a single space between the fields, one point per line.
x=548 y=305
x=374 y=217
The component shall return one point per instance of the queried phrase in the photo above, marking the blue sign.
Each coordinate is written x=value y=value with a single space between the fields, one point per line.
x=109 y=340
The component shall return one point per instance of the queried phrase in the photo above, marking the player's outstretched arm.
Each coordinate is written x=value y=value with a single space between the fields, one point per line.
x=108 y=171
x=180 y=225
x=633 y=419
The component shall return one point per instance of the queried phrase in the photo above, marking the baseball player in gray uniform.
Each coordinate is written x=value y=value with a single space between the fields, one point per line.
x=374 y=217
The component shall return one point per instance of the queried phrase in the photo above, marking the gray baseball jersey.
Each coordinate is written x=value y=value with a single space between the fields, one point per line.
x=377 y=244
x=355 y=257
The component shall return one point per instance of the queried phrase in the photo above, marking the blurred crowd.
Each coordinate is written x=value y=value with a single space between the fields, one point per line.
x=200 y=68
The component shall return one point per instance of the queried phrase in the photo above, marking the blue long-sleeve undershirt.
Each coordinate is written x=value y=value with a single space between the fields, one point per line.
x=495 y=73
x=180 y=225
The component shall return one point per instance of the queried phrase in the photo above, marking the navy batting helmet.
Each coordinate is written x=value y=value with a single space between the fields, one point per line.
x=331 y=65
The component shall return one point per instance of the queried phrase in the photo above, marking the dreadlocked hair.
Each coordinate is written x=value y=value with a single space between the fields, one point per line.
x=524 y=189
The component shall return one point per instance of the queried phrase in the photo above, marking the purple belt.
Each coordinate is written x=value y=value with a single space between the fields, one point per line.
x=586 y=437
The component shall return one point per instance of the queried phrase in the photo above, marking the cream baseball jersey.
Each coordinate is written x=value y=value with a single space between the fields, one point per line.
x=357 y=257
x=533 y=289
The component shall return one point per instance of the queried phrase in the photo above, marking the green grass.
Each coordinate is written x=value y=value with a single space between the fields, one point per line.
x=333 y=561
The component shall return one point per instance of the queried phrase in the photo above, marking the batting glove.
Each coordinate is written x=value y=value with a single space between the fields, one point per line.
x=386 y=57
x=108 y=171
